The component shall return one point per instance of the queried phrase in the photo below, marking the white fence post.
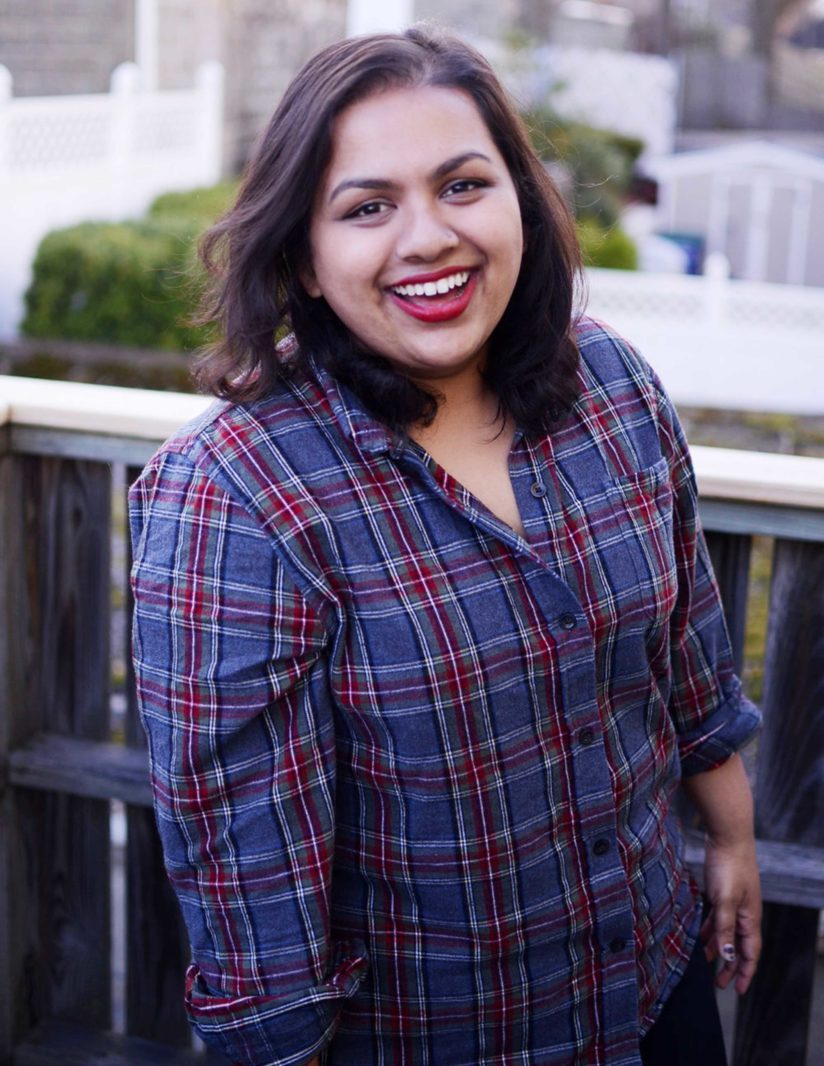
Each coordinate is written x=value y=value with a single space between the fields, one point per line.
x=209 y=81
x=125 y=83
x=5 y=99
x=716 y=287
x=147 y=38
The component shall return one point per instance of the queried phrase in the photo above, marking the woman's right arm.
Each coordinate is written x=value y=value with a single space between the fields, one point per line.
x=242 y=755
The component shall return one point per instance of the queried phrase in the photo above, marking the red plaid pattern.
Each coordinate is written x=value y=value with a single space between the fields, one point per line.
x=413 y=772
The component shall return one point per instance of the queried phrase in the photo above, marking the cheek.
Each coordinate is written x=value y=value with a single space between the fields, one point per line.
x=510 y=245
x=346 y=267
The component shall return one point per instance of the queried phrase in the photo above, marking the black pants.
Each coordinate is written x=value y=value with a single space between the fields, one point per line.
x=688 y=1030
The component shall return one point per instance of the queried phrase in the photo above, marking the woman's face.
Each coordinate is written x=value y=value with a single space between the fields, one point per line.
x=416 y=236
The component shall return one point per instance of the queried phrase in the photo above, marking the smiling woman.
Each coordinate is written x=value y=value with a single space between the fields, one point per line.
x=426 y=237
x=425 y=629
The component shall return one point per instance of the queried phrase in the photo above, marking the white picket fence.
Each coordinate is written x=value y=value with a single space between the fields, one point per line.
x=67 y=159
x=718 y=342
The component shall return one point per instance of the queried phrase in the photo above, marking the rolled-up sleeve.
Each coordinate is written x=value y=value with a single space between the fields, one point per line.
x=711 y=715
x=232 y=695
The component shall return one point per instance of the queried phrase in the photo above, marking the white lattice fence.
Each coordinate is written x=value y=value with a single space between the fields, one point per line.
x=105 y=156
x=719 y=342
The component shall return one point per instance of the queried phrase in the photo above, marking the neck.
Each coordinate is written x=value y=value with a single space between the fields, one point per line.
x=471 y=413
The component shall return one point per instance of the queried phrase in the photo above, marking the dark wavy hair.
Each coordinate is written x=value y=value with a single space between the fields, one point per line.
x=255 y=253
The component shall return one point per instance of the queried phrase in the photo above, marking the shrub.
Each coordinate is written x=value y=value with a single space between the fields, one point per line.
x=203 y=206
x=606 y=246
x=132 y=283
x=600 y=163
x=126 y=283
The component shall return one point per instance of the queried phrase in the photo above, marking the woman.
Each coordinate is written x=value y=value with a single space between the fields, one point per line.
x=425 y=629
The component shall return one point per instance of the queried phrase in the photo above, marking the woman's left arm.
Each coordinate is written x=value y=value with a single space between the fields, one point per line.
x=732 y=928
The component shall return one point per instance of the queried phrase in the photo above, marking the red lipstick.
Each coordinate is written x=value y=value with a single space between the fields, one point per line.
x=441 y=308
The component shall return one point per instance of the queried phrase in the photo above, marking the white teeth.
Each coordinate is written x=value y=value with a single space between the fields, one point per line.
x=433 y=288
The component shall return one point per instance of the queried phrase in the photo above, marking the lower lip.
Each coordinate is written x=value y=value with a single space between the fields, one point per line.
x=440 y=311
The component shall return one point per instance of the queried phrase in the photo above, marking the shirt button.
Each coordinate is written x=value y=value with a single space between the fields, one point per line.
x=601 y=847
x=616 y=945
x=586 y=736
x=538 y=489
x=567 y=621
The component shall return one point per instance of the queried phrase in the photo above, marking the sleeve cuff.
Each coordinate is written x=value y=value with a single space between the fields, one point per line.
x=270 y=1030
x=725 y=732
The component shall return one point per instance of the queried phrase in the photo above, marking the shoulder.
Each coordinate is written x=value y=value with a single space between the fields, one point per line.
x=609 y=360
x=622 y=420
x=246 y=447
x=239 y=471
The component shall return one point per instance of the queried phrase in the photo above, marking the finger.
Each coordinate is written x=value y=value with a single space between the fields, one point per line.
x=729 y=964
x=725 y=942
x=749 y=950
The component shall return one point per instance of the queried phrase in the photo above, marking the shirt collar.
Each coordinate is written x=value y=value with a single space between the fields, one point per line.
x=357 y=424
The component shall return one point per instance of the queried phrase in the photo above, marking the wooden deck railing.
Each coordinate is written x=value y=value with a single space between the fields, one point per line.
x=66 y=452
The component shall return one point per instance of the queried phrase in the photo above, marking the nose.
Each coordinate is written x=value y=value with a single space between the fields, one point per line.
x=425 y=233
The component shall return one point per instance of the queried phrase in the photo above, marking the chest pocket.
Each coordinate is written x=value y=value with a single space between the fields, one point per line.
x=642 y=507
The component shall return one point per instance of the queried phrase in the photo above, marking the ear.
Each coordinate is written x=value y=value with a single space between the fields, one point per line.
x=309 y=281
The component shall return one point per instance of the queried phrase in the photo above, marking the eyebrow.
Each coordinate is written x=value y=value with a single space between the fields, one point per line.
x=384 y=183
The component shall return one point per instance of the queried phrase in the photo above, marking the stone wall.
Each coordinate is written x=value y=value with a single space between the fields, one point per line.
x=54 y=47
x=261 y=44
x=265 y=42
x=189 y=32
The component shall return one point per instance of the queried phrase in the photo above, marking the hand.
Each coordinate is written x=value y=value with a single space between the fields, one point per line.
x=732 y=928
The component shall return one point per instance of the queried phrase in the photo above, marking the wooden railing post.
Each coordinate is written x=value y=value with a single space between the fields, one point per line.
x=15 y=725
x=773 y=1022
x=730 y=554
x=54 y=609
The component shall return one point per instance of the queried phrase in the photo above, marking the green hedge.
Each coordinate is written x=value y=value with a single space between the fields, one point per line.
x=606 y=246
x=203 y=206
x=600 y=165
x=131 y=283
x=125 y=283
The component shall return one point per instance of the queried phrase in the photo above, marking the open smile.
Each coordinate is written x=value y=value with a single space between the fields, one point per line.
x=435 y=297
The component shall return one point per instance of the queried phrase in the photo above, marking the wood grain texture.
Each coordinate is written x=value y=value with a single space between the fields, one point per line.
x=730 y=554
x=74 y=444
x=790 y=784
x=774 y=1020
x=769 y=520
x=16 y=933
x=56 y=596
x=95 y=769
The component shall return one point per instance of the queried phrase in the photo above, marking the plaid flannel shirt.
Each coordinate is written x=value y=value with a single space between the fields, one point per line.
x=413 y=772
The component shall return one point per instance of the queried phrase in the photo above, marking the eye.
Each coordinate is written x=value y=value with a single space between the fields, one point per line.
x=370 y=209
x=463 y=186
